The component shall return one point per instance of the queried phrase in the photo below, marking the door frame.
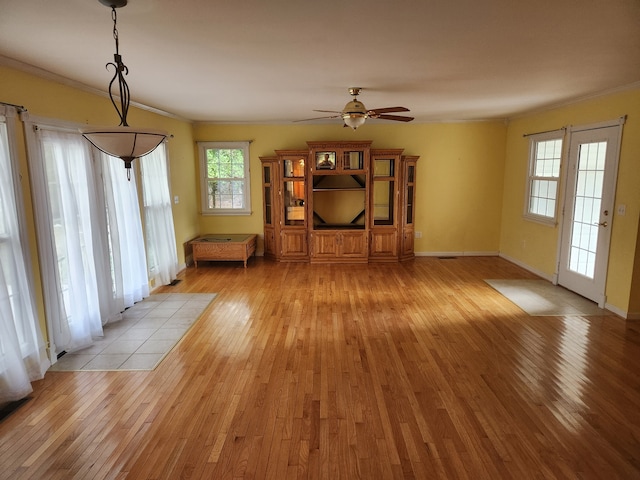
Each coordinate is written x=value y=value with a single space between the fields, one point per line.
x=564 y=235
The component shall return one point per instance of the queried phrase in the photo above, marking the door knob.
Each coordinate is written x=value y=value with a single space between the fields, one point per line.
x=602 y=224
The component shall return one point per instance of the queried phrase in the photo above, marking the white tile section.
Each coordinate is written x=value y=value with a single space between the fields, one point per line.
x=147 y=332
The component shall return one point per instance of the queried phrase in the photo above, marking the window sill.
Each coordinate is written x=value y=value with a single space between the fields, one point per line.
x=227 y=213
x=548 y=222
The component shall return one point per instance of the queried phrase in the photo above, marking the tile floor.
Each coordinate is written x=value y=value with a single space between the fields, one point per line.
x=146 y=333
x=542 y=298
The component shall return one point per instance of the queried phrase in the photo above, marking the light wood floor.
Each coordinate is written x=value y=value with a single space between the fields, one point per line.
x=418 y=370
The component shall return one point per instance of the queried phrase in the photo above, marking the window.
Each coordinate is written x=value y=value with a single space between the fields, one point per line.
x=224 y=173
x=545 y=155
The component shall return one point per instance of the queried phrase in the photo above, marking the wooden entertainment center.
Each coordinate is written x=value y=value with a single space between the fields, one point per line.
x=339 y=202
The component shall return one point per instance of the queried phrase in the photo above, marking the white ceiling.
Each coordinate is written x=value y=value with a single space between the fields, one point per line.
x=277 y=60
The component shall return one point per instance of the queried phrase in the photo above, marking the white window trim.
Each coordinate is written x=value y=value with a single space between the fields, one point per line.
x=534 y=139
x=9 y=113
x=204 y=210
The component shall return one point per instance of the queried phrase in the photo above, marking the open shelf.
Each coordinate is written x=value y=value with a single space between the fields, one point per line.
x=338 y=182
x=338 y=226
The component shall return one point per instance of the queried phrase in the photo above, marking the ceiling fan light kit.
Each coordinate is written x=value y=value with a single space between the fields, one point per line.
x=354 y=113
x=123 y=141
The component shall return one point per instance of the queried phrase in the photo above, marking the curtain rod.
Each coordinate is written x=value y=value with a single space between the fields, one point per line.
x=20 y=108
x=546 y=131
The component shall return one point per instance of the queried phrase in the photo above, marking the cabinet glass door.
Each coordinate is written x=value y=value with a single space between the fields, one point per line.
x=353 y=160
x=383 y=191
x=294 y=191
x=325 y=161
x=410 y=193
x=268 y=205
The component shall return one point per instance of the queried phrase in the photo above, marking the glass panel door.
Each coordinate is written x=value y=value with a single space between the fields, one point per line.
x=409 y=205
x=383 y=191
x=268 y=206
x=410 y=193
x=588 y=207
x=353 y=160
x=294 y=191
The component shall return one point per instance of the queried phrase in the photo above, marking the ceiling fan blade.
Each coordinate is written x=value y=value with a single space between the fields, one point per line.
x=316 y=118
x=327 y=111
x=397 y=118
x=389 y=110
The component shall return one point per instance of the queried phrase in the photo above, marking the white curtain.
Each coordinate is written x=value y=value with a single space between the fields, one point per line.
x=129 y=265
x=72 y=236
x=162 y=254
x=23 y=356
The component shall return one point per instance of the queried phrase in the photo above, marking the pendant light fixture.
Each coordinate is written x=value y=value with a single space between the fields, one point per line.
x=123 y=141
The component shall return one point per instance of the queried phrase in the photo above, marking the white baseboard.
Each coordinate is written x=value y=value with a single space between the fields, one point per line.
x=622 y=313
x=529 y=268
x=457 y=254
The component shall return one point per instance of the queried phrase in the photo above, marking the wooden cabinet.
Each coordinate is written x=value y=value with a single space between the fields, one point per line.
x=294 y=244
x=336 y=202
x=284 y=196
x=338 y=246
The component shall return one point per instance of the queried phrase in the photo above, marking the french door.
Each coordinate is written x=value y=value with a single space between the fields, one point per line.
x=588 y=210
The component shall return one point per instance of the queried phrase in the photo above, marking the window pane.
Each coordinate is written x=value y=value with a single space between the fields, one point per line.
x=548 y=154
x=550 y=209
x=543 y=197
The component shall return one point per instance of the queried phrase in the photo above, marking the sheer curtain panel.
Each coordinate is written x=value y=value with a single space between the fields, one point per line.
x=126 y=242
x=23 y=356
x=162 y=254
x=72 y=238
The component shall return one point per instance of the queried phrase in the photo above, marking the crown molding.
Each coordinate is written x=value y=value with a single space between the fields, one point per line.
x=576 y=100
x=54 y=77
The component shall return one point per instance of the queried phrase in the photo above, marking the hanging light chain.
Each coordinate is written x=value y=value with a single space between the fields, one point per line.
x=120 y=71
x=114 y=17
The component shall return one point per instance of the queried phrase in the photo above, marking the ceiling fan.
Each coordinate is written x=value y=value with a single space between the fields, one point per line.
x=355 y=113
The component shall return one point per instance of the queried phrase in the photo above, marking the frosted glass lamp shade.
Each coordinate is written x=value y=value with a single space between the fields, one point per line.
x=354 y=120
x=127 y=143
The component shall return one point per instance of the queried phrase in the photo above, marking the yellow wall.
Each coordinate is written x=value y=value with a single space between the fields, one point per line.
x=634 y=301
x=536 y=245
x=460 y=174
